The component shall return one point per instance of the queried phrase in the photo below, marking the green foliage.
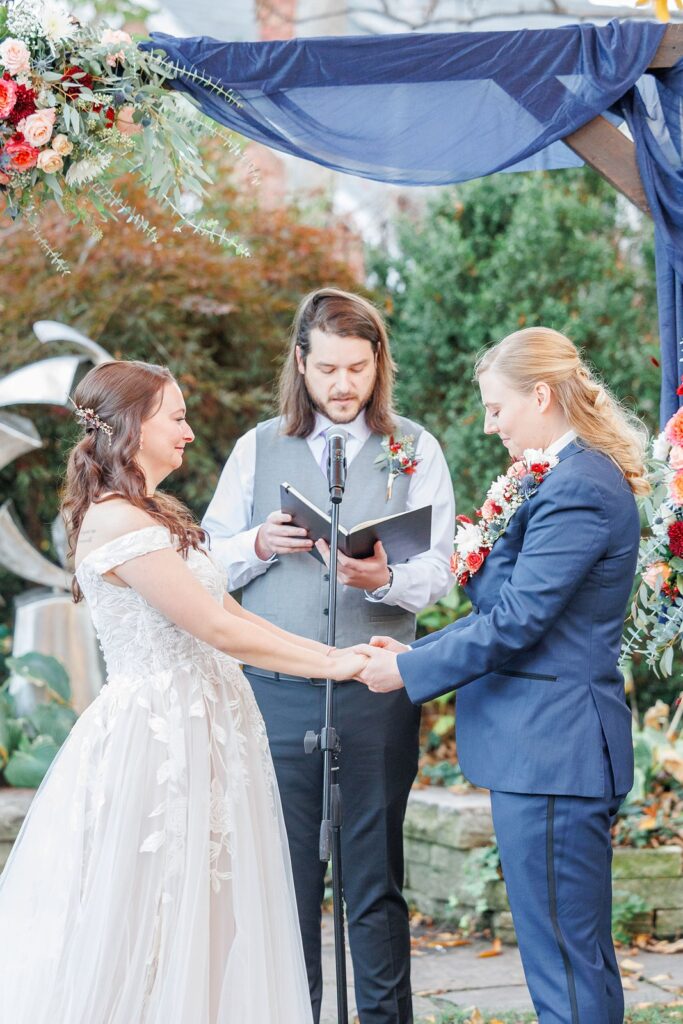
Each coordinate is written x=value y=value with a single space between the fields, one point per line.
x=653 y=810
x=451 y=607
x=505 y=252
x=444 y=773
x=626 y=906
x=654 y=1014
x=28 y=744
x=43 y=671
x=219 y=322
x=482 y=868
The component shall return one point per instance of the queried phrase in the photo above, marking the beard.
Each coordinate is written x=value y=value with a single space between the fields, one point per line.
x=337 y=413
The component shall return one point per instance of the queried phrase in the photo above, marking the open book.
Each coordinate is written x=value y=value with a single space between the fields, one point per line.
x=403 y=534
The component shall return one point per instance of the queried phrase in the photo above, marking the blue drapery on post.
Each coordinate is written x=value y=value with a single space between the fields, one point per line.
x=439 y=109
x=654 y=112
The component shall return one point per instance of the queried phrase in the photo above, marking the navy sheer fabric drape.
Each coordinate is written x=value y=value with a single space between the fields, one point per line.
x=436 y=109
x=654 y=112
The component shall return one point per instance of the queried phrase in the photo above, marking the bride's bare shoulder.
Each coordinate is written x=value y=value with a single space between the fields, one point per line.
x=106 y=520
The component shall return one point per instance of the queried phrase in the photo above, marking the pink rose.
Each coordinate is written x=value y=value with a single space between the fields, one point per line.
x=49 y=161
x=8 y=96
x=114 y=35
x=489 y=510
x=22 y=155
x=14 y=56
x=4 y=178
x=656 y=574
x=676 y=457
x=37 y=128
x=474 y=561
x=62 y=145
x=676 y=488
x=125 y=123
x=517 y=469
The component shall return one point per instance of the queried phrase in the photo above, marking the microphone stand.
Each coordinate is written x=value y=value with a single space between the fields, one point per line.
x=328 y=742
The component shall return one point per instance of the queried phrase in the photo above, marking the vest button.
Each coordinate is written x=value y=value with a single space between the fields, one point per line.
x=326 y=577
x=326 y=611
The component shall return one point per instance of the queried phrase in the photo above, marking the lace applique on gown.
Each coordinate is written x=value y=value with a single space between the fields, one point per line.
x=151 y=881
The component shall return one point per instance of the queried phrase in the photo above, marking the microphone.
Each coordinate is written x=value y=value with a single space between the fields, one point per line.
x=336 y=462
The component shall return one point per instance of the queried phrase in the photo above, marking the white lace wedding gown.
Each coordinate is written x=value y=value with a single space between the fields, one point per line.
x=151 y=881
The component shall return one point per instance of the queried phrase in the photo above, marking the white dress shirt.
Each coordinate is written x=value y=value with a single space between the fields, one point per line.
x=416 y=583
x=556 y=447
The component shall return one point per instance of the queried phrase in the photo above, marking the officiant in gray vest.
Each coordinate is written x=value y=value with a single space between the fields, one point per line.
x=339 y=370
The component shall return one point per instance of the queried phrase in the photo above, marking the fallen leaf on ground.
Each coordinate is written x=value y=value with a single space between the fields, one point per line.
x=630 y=965
x=495 y=950
x=448 y=943
x=628 y=984
x=666 y=947
x=475 y=1017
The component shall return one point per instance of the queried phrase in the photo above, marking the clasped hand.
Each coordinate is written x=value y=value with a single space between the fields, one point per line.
x=378 y=668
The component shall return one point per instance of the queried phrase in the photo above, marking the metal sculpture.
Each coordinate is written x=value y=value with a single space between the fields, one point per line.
x=46 y=619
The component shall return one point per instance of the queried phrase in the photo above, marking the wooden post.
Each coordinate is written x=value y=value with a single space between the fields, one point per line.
x=608 y=150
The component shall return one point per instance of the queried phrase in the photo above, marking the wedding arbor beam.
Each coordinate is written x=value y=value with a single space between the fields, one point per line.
x=607 y=150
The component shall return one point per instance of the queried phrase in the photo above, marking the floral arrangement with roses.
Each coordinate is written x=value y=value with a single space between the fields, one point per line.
x=79 y=107
x=474 y=541
x=657 y=608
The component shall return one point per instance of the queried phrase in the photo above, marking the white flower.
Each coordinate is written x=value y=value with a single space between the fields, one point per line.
x=660 y=447
x=499 y=489
x=661 y=520
x=532 y=455
x=56 y=22
x=468 y=539
x=87 y=169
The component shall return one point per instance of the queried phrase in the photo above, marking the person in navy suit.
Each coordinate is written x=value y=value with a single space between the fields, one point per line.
x=542 y=719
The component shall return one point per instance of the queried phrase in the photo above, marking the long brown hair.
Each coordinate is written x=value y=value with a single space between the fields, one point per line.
x=600 y=421
x=123 y=394
x=349 y=316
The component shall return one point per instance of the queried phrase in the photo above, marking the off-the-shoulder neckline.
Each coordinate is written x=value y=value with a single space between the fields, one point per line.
x=115 y=540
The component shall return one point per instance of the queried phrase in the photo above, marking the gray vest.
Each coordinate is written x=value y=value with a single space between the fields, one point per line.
x=292 y=594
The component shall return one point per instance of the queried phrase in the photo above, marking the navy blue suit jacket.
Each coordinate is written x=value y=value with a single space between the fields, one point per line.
x=539 y=651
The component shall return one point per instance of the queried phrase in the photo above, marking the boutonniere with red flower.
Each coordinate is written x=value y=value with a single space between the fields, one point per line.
x=474 y=540
x=398 y=455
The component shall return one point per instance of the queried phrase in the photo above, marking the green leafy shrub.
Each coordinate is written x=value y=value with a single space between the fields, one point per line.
x=28 y=744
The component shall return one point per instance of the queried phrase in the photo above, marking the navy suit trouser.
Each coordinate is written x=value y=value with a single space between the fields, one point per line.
x=378 y=762
x=556 y=856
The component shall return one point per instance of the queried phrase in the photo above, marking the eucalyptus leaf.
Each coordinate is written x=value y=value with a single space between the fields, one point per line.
x=666 y=661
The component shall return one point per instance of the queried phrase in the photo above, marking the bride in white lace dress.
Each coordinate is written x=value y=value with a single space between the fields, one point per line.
x=151 y=881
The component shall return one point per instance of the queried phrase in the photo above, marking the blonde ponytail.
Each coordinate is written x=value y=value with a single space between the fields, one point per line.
x=600 y=421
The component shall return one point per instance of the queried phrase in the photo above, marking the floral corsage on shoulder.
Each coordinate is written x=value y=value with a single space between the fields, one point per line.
x=474 y=540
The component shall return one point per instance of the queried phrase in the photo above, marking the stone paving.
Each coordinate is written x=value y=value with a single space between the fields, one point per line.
x=444 y=978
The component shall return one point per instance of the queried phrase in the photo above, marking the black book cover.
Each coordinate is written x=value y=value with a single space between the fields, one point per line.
x=403 y=534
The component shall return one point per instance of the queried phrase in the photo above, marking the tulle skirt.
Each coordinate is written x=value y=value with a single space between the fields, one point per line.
x=151 y=882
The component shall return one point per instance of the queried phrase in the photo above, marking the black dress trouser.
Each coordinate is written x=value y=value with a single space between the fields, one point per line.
x=380 y=737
